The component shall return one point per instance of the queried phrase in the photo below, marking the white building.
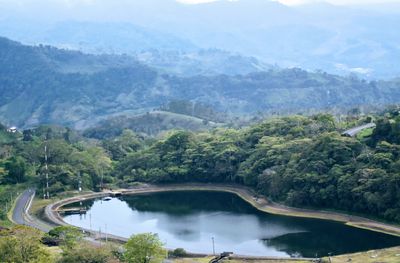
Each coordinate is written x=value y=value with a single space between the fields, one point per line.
x=12 y=129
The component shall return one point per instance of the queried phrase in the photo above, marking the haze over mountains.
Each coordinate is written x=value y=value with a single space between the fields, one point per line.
x=49 y=85
x=338 y=39
x=236 y=57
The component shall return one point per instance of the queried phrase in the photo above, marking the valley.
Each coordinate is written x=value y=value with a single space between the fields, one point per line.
x=180 y=131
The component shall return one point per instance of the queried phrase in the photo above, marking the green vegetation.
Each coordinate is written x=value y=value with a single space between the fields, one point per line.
x=297 y=160
x=26 y=245
x=70 y=88
x=87 y=253
x=178 y=252
x=195 y=109
x=144 y=248
x=22 y=245
x=71 y=159
x=148 y=124
x=8 y=194
x=65 y=236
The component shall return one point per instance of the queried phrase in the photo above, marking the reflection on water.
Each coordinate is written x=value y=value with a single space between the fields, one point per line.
x=190 y=219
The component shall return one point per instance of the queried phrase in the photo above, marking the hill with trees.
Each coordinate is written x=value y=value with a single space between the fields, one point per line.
x=299 y=161
x=296 y=160
x=70 y=88
x=148 y=124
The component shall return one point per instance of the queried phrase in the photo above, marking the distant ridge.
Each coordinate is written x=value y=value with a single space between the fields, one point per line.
x=47 y=85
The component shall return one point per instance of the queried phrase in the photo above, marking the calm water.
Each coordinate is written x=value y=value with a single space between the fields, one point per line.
x=191 y=219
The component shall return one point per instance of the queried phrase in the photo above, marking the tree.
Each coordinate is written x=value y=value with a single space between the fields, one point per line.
x=86 y=253
x=144 y=248
x=16 y=167
x=67 y=236
x=22 y=245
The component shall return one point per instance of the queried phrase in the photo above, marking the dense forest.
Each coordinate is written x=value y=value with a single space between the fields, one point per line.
x=71 y=88
x=297 y=160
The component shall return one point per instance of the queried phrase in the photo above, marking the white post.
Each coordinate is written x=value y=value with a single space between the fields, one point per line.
x=213 y=244
x=90 y=221
x=106 y=233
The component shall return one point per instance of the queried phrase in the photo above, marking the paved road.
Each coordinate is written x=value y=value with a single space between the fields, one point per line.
x=354 y=131
x=21 y=215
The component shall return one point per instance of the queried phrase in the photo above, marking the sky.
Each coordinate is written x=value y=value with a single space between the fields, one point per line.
x=286 y=2
x=297 y=2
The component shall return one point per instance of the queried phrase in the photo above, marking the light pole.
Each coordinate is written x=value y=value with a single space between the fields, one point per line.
x=100 y=235
x=90 y=221
x=213 y=245
x=105 y=232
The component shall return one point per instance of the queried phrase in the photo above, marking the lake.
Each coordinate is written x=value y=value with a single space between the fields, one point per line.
x=191 y=219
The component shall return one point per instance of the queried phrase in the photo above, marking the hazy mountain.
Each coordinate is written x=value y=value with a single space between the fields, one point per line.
x=94 y=37
x=204 y=62
x=48 y=85
x=338 y=39
x=165 y=52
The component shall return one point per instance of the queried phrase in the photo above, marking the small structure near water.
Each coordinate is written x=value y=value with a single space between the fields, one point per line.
x=73 y=210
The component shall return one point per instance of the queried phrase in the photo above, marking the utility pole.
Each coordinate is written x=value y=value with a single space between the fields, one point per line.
x=46 y=192
x=80 y=182
x=101 y=180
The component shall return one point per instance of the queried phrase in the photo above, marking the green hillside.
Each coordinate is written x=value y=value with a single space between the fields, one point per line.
x=151 y=123
x=70 y=88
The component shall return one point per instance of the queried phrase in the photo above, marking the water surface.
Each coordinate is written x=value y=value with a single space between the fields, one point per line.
x=190 y=219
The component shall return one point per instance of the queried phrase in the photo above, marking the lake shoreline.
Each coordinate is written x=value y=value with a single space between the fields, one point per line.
x=259 y=202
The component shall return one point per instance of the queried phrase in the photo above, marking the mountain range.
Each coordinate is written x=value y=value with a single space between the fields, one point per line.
x=43 y=84
x=362 y=40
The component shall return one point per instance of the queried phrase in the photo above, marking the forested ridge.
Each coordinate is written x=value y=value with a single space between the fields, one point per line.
x=296 y=160
x=71 y=88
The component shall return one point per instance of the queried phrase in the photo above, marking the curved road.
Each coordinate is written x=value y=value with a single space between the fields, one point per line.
x=21 y=215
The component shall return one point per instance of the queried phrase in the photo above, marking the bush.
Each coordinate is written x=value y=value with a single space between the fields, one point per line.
x=178 y=253
x=144 y=248
x=3 y=215
x=63 y=235
x=86 y=253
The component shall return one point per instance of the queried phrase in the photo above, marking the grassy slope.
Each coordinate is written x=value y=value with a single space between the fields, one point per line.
x=365 y=133
x=152 y=123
